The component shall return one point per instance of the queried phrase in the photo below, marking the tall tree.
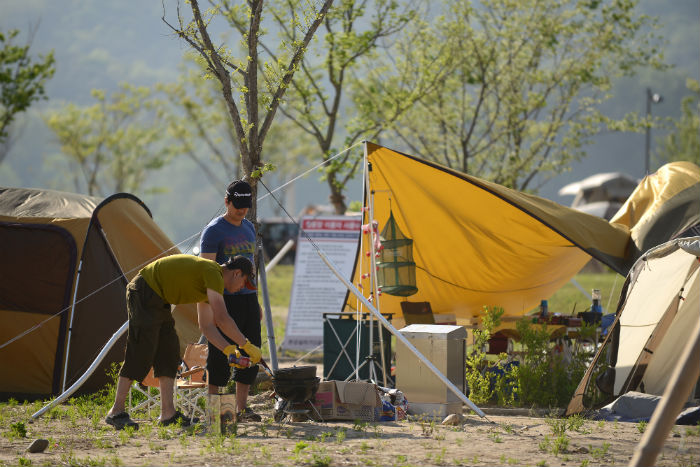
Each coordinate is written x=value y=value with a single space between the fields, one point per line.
x=683 y=143
x=252 y=97
x=22 y=82
x=113 y=143
x=197 y=118
x=349 y=39
x=529 y=76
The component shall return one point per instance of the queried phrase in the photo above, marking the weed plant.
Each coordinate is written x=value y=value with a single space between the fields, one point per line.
x=599 y=453
x=17 y=430
x=641 y=426
x=542 y=376
x=481 y=390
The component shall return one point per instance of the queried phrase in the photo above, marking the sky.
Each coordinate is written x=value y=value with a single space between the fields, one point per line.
x=99 y=44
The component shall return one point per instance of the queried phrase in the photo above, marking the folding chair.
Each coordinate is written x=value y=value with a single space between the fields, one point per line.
x=191 y=383
x=417 y=313
x=150 y=388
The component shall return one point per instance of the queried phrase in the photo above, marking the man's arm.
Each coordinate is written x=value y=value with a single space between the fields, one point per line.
x=208 y=313
x=212 y=256
x=222 y=319
x=213 y=314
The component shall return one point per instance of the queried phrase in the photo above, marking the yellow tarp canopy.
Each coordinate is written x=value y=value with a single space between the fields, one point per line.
x=477 y=243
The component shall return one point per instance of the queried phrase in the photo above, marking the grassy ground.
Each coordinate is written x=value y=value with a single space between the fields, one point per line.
x=570 y=300
x=77 y=435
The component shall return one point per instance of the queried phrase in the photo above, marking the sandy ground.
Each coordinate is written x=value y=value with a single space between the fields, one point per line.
x=498 y=440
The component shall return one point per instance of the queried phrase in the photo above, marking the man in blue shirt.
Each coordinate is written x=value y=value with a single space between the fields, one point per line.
x=223 y=238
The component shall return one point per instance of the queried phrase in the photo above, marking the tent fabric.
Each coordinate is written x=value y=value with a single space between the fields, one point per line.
x=477 y=243
x=66 y=261
x=658 y=309
x=634 y=407
x=665 y=205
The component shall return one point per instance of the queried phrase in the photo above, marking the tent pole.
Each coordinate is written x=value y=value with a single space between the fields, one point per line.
x=70 y=325
x=681 y=383
x=75 y=296
x=458 y=392
x=108 y=346
x=268 y=312
x=358 y=317
x=373 y=275
x=372 y=272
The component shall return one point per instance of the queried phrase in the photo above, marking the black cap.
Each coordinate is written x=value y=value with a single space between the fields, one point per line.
x=240 y=194
x=246 y=267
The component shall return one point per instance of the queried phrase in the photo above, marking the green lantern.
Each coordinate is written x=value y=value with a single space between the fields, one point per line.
x=396 y=271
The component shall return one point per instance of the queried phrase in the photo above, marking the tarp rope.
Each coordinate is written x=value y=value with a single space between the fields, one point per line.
x=318 y=250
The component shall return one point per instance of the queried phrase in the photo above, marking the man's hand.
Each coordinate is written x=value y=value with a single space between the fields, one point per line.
x=233 y=350
x=230 y=350
x=253 y=352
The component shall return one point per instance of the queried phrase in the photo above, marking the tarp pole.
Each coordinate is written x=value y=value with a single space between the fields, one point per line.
x=681 y=383
x=458 y=392
x=108 y=346
x=373 y=273
x=359 y=264
x=268 y=312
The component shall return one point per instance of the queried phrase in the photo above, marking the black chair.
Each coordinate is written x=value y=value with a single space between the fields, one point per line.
x=417 y=313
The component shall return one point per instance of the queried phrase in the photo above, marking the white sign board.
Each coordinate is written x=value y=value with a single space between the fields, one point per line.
x=316 y=289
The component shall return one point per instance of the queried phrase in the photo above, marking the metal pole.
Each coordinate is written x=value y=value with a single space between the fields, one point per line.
x=373 y=275
x=458 y=392
x=75 y=297
x=648 y=134
x=108 y=346
x=679 y=387
x=652 y=98
x=70 y=326
x=267 y=311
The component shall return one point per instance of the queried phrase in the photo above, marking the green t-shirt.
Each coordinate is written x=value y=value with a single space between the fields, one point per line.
x=179 y=279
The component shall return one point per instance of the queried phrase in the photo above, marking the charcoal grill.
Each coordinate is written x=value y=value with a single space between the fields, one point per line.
x=295 y=389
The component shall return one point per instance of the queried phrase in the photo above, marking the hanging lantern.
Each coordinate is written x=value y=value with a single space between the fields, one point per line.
x=396 y=271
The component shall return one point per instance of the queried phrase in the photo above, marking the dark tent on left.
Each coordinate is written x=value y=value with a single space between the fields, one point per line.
x=66 y=261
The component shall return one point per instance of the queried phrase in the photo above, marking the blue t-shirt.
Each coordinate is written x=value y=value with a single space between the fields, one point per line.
x=227 y=240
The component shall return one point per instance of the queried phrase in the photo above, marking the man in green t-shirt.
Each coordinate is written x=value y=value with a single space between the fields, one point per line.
x=152 y=340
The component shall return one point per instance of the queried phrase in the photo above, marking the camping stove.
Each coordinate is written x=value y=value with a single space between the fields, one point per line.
x=297 y=411
x=295 y=389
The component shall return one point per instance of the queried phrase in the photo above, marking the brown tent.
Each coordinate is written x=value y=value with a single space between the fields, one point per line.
x=66 y=261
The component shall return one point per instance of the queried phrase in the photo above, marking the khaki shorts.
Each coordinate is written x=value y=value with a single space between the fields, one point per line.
x=152 y=340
